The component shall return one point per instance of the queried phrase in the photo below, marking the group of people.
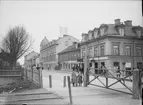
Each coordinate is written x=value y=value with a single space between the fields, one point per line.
x=77 y=75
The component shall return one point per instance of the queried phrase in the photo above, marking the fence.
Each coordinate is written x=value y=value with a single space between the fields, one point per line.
x=34 y=75
x=15 y=72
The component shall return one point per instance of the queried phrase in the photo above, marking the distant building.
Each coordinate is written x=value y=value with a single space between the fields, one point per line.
x=49 y=50
x=30 y=59
x=114 y=45
x=68 y=57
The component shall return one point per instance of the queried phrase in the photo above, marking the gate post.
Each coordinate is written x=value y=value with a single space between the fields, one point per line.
x=86 y=66
x=136 y=88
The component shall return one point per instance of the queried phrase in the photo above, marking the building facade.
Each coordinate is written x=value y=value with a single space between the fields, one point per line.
x=30 y=59
x=114 y=45
x=49 y=50
x=68 y=57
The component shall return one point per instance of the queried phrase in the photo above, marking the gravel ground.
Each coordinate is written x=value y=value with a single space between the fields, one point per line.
x=17 y=85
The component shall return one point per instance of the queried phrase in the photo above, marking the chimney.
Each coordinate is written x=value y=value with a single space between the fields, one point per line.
x=117 y=21
x=83 y=37
x=128 y=23
x=64 y=35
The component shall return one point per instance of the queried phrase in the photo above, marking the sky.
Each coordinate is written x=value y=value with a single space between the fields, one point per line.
x=44 y=18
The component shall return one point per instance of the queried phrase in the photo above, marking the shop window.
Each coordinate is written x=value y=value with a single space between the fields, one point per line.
x=116 y=64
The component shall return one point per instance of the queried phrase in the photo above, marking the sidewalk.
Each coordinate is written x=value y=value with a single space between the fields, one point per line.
x=36 y=96
x=90 y=95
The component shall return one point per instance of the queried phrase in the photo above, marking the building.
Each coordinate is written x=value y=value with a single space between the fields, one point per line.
x=49 y=50
x=114 y=45
x=69 y=56
x=30 y=59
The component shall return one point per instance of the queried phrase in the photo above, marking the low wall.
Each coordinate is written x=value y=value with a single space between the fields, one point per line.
x=16 y=72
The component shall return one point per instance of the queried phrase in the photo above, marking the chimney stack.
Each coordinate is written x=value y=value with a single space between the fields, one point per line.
x=117 y=21
x=128 y=23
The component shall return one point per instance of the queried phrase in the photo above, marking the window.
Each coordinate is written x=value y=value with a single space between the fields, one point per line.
x=138 y=51
x=95 y=51
x=83 y=52
x=102 y=50
x=116 y=64
x=121 y=31
x=90 y=51
x=115 y=49
x=128 y=50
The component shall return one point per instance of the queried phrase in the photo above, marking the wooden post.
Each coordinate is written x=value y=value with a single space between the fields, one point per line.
x=41 y=80
x=26 y=74
x=136 y=88
x=50 y=81
x=69 y=88
x=64 y=82
x=86 y=64
x=32 y=74
x=106 y=82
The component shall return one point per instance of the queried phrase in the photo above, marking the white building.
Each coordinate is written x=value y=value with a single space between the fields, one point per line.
x=49 y=50
x=30 y=59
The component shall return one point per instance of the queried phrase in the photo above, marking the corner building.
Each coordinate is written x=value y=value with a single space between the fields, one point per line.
x=114 y=45
x=49 y=50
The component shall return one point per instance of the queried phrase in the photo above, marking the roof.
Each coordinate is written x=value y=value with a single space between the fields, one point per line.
x=111 y=30
x=44 y=41
x=70 y=48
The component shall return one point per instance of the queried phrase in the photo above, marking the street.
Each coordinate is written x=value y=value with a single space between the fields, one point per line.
x=90 y=95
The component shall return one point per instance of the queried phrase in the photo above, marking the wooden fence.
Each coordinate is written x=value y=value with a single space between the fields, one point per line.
x=15 y=72
x=34 y=75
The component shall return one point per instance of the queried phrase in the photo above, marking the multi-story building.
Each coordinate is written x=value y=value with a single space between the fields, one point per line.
x=68 y=57
x=30 y=59
x=49 y=50
x=114 y=45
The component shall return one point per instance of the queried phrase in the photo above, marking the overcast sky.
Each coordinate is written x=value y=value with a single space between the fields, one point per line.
x=44 y=18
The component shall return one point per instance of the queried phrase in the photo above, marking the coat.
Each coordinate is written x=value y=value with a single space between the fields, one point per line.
x=74 y=77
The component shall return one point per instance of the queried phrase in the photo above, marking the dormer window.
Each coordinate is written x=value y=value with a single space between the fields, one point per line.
x=102 y=29
x=121 y=31
x=90 y=36
x=138 y=33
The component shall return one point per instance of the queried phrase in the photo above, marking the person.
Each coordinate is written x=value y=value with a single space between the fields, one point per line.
x=118 y=72
x=74 y=77
x=79 y=78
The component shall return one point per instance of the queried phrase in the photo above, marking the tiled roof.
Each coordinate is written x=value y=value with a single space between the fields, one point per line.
x=70 y=48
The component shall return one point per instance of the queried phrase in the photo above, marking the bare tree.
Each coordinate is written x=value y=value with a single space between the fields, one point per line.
x=16 y=43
